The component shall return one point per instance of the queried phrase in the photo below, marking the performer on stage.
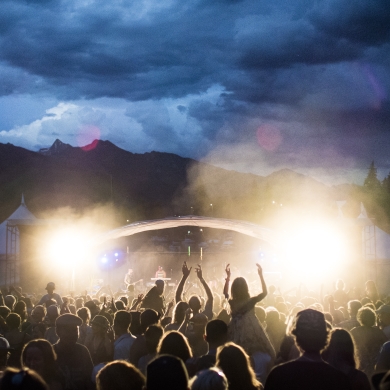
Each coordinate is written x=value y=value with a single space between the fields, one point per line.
x=129 y=277
x=161 y=274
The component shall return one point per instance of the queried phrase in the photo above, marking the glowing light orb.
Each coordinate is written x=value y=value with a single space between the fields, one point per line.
x=88 y=137
x=269 y=137
x=67 y=247
x=314 y=250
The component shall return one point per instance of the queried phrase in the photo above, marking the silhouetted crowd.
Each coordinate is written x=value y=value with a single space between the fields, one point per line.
x=212 y=340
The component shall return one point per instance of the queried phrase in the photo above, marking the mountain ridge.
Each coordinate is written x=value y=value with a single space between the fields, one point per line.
x=149 y=185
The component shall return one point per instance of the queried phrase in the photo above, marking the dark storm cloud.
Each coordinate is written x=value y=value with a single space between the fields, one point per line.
x=365 y=22
x=101 y=49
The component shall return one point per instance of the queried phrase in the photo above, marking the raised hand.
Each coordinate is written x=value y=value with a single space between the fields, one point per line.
x=259 y=269
x=140 y=298
x=199 y=272
x=227 y=270
x=185 y=270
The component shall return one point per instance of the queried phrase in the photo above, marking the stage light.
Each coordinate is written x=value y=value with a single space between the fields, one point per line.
x=68 y=247
x=116 y=254
x=314 y=250
x=104 y=260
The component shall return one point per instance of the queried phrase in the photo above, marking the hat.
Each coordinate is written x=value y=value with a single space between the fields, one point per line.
x=68 y=319
x=166 y=372
x=100 y=321
x=4 y=344
x=310 y=320
x=384 y=309
x=51 y=286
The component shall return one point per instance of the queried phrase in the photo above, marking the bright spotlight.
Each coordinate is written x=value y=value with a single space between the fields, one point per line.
x=68 y=247
x=314 y=250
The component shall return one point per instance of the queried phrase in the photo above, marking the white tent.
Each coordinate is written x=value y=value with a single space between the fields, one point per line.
x=376 y=242
x=21 y=213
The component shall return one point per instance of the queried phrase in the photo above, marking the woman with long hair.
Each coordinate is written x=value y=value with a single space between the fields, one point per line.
x=39 y=355
x=340 y=354
x=245 y=329
x=235 y=364
x=174 y=343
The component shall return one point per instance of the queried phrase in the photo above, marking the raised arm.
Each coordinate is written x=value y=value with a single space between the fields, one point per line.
x=186 y=273
x=210 y=298
x=264 y=292
x=227 y=281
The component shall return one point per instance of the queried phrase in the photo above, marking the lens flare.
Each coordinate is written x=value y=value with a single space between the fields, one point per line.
x=88 y=137
x=314 y=251
x=68 y=247
x=269 y=137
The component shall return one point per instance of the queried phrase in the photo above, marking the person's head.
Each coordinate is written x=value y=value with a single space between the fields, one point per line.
x=179 y=312
x=135 y=326
x=38 y=313
x=67 y=329
x=340 y=284
x=272 y=317
x=260 y=313
x=353 y=307
x=124 y=300
x=366 y=316
x=149 y=317
x=39 y=355
x=4 y=311
x=122 y=322
x=21 y=309
x=120 y=375
x=119 y=305
x=174 y=343
x=13 y=321
x=310 y=330
x=79 y=303
x=153 y=336
x=195 y=303
x=271 y=289
x=216 y=333
x=84 y=314
x=383 y=314
x=4 y=352
x=38 y=331
x=166 y=373
x=235 y=364
x=240 y=289
x=10 y=301
x=210 y=379
x=341 y=349
x=93 y=308
x=100 y=325
x=160 y=286
x=52 y=313
x=23 y=379
x=50 y=287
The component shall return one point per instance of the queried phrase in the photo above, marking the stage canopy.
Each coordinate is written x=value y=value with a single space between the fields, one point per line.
x=243 y=227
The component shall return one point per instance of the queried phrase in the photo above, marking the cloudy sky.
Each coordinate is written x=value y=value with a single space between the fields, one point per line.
x=250 y=85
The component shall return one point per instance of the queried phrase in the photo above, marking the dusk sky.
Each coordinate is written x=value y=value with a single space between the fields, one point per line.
x=254 y=86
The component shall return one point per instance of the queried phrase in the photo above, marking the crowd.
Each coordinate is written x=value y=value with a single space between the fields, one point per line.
x=215 y=340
